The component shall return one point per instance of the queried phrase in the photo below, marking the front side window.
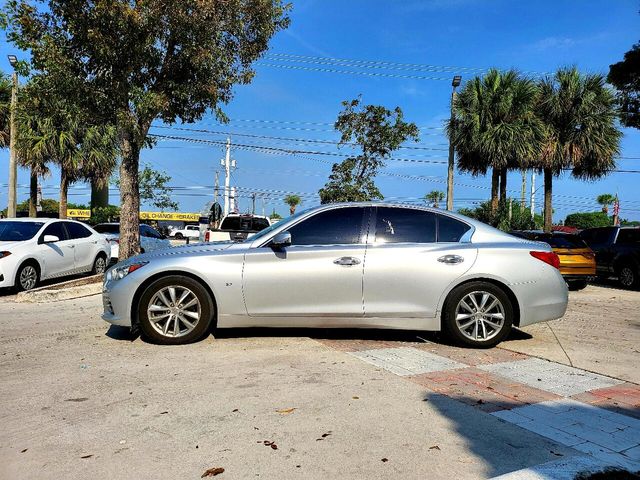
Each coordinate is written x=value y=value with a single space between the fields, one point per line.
x=405 y=225
x=56 y=229
x=628 y=236
x=11 y=231
x=341 y=226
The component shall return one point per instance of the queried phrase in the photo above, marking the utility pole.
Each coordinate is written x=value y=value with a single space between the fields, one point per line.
x=253 y=203
x=455 y=82
x=216 y=187
x=533 y=194
x=523 y=193
x=228 y=164
x=13 y=165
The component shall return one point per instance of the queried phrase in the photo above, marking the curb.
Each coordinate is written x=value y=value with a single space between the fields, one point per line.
x=78 y=288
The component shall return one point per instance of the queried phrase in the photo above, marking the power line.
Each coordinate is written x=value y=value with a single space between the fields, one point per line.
x=352 y=72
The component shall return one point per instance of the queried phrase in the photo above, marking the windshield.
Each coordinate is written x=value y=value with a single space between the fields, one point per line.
x=18 y=231
x=268 y=230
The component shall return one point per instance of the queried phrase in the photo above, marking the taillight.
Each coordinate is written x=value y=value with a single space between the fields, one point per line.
x=550 y=258
x=206 y=236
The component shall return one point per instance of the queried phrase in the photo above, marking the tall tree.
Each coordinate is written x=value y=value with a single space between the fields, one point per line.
x=154 y=188
x=378 y=132
x=579 y=114
x=605 y=200
x=495 y=127
x=130 y=63
x=293 y=201
x=625 y=76
x=434 y=197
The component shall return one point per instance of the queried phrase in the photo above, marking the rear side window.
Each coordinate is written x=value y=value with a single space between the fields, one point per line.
x=75 y=230
x=55 y=229
x=107 y=228
x=450 y=229
x=404 y=225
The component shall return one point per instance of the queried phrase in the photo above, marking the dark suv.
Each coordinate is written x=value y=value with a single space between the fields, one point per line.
x=617 y=252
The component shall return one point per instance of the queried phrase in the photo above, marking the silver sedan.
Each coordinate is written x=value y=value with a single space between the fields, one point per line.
x=362 y=265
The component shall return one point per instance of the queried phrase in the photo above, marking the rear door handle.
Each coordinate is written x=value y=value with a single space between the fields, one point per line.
x=71 y=246
x=451 y=259
x=346 y=261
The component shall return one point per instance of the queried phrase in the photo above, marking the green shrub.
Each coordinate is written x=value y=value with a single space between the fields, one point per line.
x=588 y=220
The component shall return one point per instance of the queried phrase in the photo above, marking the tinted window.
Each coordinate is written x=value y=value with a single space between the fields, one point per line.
x=75 y=230
x=628 y=236
x=147 y=231
x=564 y=241
x=260 y=224
x=400 y=225
x=107 y=228
x=230 y=223
x=598 y=235
x=18 y=231
x=335 y=227
x=56 y=229
x=450 y=229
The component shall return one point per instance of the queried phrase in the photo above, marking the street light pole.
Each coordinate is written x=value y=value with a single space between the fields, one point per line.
x=13 y=166
x=456 y=82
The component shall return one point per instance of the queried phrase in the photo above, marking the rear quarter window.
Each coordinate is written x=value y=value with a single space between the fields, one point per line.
x=450 y=229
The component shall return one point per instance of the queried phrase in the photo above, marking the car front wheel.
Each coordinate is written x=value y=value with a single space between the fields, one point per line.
x=175 y=310
x=477 y=314
x=628 y=277
x=27 y=277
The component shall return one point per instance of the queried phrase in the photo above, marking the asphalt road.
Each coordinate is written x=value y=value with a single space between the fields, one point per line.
x=82 y=400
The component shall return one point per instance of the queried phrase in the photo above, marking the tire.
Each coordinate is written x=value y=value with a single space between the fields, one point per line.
x=99 y=264
x=159 y=324
x=178 y=236
x=628 y=276
x=27 y=276
x=575 y=285
x=469 y=299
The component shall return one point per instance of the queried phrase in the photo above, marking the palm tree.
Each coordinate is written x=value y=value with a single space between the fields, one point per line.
x=434 y=197
x=293 y=201
x=494 y=126
x=579 y=115
x=605 y=200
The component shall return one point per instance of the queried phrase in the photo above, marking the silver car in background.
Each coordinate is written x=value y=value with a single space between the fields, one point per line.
x=363 y=265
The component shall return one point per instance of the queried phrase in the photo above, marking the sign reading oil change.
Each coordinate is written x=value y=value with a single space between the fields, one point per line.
x=175 y=216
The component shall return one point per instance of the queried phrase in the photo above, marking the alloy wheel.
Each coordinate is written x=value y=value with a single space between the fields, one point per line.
x=28 y=277
x=174 y=311
x=480 y=316
x=626 y=277
x=100 y=265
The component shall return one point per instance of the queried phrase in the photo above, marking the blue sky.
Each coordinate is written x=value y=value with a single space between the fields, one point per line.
x=301 y=103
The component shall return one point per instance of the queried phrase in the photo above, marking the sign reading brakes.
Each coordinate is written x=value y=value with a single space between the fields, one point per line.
x=175 y=216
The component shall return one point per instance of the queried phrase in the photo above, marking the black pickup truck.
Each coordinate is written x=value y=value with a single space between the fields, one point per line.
x=617 y=252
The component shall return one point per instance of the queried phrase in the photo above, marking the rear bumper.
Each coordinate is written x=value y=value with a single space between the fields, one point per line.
x=543 y=300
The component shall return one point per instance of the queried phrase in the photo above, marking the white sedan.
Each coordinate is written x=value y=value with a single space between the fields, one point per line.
x=35 y=249
x=150 y=238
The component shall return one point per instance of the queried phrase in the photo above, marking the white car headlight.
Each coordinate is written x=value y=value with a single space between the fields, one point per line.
x=118 y=273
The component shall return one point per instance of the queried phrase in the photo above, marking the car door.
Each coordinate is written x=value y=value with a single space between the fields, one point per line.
x=412 y=258
x=58 y=257
x=85 y=247
x=319 y=274
x=147 y=242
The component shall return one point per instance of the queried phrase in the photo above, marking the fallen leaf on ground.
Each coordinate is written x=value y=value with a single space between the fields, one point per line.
x=235 y=410
x=285 y=411
x=385 y=460
x=22 y=451
x=212 y=472
x=163 y=413
x=274 y=446
x=435 y=447
x=325 y=435
x=356 y=398
x=87 y=456
x=81 y=399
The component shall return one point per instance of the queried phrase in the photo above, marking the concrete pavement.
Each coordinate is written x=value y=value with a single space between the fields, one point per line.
x=82 y=400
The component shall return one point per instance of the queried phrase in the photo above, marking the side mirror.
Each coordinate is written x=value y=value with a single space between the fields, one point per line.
x=281 y=240
x=50 y=239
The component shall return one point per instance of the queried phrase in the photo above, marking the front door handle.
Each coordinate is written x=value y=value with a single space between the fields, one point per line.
x=346 y=261
x=451 y=259
x=71 y=246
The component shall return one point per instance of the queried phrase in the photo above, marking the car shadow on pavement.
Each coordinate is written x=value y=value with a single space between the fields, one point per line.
x=510 y=436
x=373 y=334
x=116 y=332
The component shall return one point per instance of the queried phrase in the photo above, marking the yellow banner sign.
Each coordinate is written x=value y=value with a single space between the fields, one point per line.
x=75 y=213
x=175 y=216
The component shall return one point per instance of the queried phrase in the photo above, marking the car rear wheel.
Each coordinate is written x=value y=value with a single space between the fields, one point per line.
x=477 y=314
x=179 y=236
x=27 y=277
x=576 y=285
x=175 y=310
x=628 y=277
x=99 y=265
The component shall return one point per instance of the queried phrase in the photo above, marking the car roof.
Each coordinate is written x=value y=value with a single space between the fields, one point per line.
x=30 y=219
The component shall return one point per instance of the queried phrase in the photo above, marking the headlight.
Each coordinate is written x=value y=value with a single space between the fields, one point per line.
x=118 y=273
x=4 y=254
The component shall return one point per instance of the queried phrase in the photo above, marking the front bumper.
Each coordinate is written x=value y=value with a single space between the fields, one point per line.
x=116 y=302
